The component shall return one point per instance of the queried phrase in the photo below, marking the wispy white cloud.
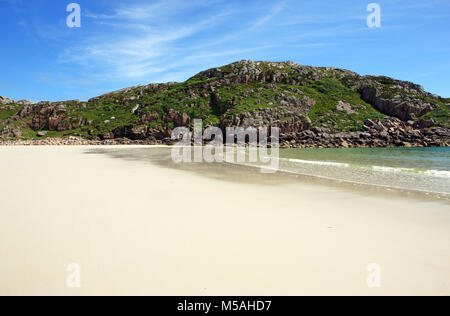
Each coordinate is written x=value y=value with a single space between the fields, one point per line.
x=141 y=48
x=266 y=18
x=146 y=11
x=134 y=12
x=137 y=49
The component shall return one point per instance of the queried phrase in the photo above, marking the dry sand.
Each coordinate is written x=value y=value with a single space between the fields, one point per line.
x=141 y=229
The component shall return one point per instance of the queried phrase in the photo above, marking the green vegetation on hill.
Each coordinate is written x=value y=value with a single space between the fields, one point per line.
x=440 y=114
x=327 y=93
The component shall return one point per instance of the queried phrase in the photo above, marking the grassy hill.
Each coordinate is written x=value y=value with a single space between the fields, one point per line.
x=294 y=97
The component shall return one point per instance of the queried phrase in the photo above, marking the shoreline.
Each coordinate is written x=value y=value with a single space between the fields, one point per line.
x=330 y=181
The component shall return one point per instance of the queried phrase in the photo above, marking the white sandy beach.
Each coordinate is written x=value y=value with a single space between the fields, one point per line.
x=140 y=229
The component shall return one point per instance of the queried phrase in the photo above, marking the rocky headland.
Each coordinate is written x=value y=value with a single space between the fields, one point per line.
x=312 y=106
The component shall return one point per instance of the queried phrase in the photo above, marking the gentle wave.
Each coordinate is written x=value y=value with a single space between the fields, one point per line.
x=435 y=173
x=394 y=169
x=320 y=163
x=439 y=173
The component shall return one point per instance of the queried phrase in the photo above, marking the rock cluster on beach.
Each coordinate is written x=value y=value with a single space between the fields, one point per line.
x=312 y=106
x=390 y=132
x=74 y=141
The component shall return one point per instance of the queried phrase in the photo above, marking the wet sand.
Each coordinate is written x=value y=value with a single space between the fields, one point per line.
x=144 y=227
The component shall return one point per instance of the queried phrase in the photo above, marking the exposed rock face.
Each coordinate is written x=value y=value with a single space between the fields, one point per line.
x=288 y=72
x=130 y=132
x=5 y=100
x=286 y=118
x=51 y=116
x=327 y=107
x=177 y=118
x=25 y=102
x=404 y=107
x=422 y=124
x=391 y=132
x=346 y=107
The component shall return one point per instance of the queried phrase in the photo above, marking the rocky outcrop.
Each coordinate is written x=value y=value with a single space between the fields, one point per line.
x=51 y=116
x=287 y=120
x=390 y=132
x=177 y=118
x=403 y=107
x=289 y=72
x=5 y=100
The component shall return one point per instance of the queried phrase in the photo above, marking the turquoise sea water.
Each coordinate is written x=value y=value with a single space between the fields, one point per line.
x=422 y=169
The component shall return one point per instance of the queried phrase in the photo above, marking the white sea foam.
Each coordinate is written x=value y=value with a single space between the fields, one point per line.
x=435 y=173
x=438 y=173
x=383 y=169
x=320 y=163
x=393 y=169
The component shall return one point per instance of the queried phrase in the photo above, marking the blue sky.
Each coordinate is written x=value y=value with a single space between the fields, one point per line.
x=127 y=43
